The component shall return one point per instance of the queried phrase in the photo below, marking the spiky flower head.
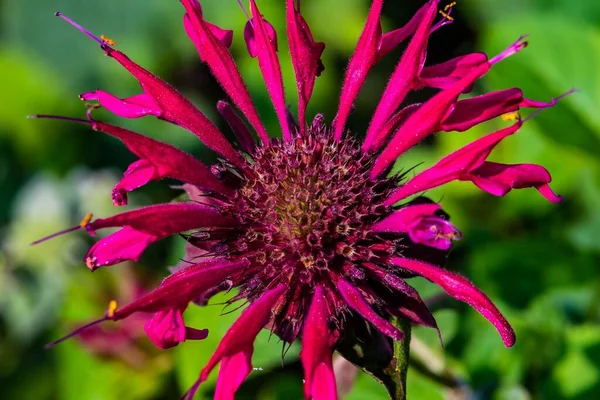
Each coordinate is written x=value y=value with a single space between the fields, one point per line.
x=309 y=228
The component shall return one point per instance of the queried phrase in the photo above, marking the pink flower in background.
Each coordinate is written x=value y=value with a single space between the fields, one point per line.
x=310 y=228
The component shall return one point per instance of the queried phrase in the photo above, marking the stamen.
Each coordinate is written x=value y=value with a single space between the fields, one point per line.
x=112 y=307
x=556 y=99
x=514 y=48
x=108 y=40
x=511 y=116
x=446 y=20
x=58 y=117
x=86 y=220
x=76 y=332
x=244 y=10
x=102 y=41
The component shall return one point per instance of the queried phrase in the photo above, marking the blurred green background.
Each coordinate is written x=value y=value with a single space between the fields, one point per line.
x=536 y=260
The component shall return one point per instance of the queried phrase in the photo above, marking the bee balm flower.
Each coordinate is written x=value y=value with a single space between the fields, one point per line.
x=310 y=227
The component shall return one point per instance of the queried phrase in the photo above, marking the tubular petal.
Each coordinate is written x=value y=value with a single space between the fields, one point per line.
x=135 y=106
x=424 y=121
x=125 y=244
x=461 y=289
x=266 y=53
x=166 y=328
x=353 y=297
x=444 y=75
x=158 y=160
x=165 y=219
x=403 y=219
x=214 y=52
x=404 y=77
x=169 y=105
x=391 y=40
x=144 y=226
x=237 y=346
x=498 y=179
x=306 y=58
x=365 y=56
x=453 y=166
x=183 y=286
x=317 y=350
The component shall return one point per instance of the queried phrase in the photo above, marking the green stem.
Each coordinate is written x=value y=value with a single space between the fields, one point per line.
x=398 y=368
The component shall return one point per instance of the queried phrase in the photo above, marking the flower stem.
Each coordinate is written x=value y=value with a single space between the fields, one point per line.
x=398 y=368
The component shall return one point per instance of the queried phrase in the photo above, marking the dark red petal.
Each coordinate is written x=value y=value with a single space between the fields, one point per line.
x=216 y=55
x=237 y=125
x=403 y=219
x=268 y=62
x=166 y=328
x=365 y=56
x=375 y=142
x=317 y=349
x=177 y=109
x=424 y=121
x=123 y=245
x=166 y=160
x=461 y=289
x=237 y=345
x=354 y=298
x=178 y=289
x=165 y=219
x=306 y=58
x=453 y=166
x=498 y=179
x=404 y=77
x=392 y=39
x=446 y=74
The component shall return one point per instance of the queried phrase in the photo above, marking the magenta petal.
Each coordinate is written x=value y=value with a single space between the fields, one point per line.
x=166 y=328
x=216 y=55
x=317 y=349
x=403 y=219
x=306 y=58
x=404 y=77
x=164 y=160
x=461 y=289
x=145 y=226
x=165 y=219
x=250 y=38
x=435 y=232
x=354 y=298
x=498 y=179
x=422 y=225
x=444 y=75
x=234 y=370
x=391 y=40
x=125 y=244
x=266 y=53
x=137 y=175
x=238 y=344
x=181 y=287
x=131 y=107
x=453 y=166
x=176 y=109
x=424 y=121
x=376 y=141
x=365 y=56
x=470 y=112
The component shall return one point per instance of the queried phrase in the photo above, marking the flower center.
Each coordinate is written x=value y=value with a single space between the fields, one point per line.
x=308 y=205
